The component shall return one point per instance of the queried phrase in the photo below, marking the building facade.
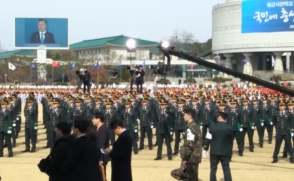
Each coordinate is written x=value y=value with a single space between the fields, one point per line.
x=113 y=50
x=253 y=35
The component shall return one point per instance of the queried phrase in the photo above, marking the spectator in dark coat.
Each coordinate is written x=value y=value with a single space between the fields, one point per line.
x=121 y=154
x=82 y=161
x=60 y=151
x=102 y=134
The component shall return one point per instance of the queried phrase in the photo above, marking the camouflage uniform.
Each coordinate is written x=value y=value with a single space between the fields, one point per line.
x=191 y=152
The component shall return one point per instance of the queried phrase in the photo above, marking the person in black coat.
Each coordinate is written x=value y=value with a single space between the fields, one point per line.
x=82 y=161
x=221 y=146
x=121 y=154
x=140 y=79
x=60 y=151
x=102 y=134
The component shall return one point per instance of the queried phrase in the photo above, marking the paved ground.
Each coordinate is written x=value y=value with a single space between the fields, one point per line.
x=253 y=166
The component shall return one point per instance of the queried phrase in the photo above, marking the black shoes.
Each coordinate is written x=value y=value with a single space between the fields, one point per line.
x=275 y=160
x=26 y=150
x=157 y=158
x=176 y=153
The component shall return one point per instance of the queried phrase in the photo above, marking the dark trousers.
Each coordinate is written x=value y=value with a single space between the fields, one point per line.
x=135 y=144
x=51 y=139
x=260 y=131
x=139 y=87
x=249 y=133
x=269 y=129
x=7 y=138
x=18 y=126
x=30 y=137
x=166 y=137
x=225 y=161
x=86 y=87
x=111 y=137
x=178 y=138
x=279 y=139
x=237 y=136
x=204 y=131
x=13 y=134
x=146 y=130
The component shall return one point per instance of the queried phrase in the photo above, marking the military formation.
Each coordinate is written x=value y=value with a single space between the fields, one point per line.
x=148 y=114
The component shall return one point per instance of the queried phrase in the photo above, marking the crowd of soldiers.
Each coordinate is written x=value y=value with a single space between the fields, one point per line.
x=159 y=113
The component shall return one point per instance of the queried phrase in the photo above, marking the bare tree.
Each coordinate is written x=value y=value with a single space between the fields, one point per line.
x=185 y=41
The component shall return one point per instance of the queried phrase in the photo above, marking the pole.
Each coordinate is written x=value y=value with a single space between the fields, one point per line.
x=52 y=76
x=97 y=77
x=30 y=75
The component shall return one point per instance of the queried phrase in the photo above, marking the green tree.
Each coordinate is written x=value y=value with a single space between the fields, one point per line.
x=123 y=74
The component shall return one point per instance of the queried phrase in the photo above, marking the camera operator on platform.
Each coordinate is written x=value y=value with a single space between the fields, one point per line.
x=86 y=81
x=140 y=73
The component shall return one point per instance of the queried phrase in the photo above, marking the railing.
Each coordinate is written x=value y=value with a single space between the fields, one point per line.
x=266 y=75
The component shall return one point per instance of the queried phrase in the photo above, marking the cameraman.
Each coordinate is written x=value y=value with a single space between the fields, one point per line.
x=139 y=79
x=86 y=80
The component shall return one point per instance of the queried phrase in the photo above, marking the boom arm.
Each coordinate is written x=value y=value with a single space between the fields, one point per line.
x=170 y=51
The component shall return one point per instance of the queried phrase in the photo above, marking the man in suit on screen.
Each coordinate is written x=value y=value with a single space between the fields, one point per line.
x=42 y=36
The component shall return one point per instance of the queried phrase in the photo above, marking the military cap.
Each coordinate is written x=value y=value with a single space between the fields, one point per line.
x=194 y=99
x=98 y=99
x=181 y=101
x=233 y=101
x=132 y=96
x=291 y=103
x=273 y=97
x=128 y=102
x=217 y=98
x=70 y=98
x=78 y=100
x=254 y=99
x=109 y=102
x=144 y=100
x=282 y=103
x=245 y=100
x=281 y=96
x=30 y=101
x=264 y=99
x=287 y=96
x=115 y=98
x=207 y=99
x=55 y=101
x=228 y=97
x=222 y=103
x=162 y=102
x=4 y=102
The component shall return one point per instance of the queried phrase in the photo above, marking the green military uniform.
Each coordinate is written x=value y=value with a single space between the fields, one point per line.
x=5 y=129
x=164 y=130
x=55 y=117
x=179 y=125
x=31 y=126
x=283 y=121
x=146 y=124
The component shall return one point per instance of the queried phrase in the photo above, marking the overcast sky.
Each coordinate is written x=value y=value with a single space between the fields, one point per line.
x=89 y=19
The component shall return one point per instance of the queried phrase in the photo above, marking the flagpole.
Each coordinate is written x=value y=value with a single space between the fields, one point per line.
x=31 y=74
x=52 y=75
x=120 y=72
x=97 y=77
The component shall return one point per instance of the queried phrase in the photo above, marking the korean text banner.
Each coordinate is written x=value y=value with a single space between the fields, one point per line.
x=267 y=16
x=34 y=32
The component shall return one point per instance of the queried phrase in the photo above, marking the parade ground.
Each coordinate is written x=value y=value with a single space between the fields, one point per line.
x=254 y=166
